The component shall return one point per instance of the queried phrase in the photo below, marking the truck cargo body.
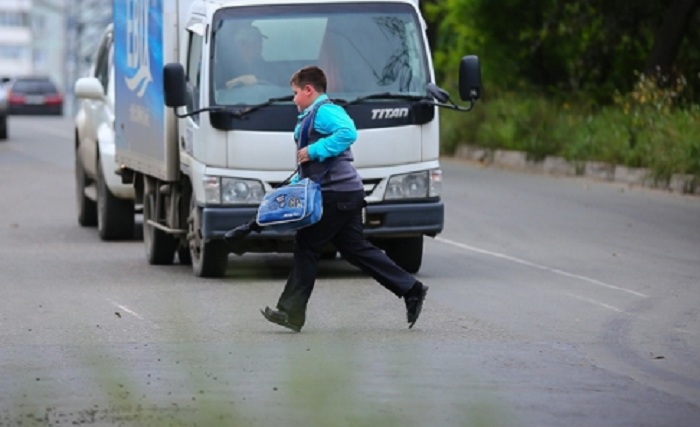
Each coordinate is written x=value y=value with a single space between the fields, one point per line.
x=200 y=176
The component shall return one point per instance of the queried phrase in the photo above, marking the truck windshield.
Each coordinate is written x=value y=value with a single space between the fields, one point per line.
x=364 y=49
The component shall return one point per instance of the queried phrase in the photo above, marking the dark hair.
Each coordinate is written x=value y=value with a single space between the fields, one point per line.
x=310 y=75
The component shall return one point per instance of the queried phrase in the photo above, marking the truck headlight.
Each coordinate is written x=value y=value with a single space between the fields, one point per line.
x=225 y=190
x=414 y=185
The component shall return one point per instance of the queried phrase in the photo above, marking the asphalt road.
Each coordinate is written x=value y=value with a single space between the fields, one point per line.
x=553 y=301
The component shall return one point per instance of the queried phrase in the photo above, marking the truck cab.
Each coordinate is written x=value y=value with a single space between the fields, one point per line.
x=231 y=141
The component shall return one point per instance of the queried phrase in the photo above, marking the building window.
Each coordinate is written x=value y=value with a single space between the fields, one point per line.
x=14 y=52
x=13 y=19
x=39 y=25
x=40 y=58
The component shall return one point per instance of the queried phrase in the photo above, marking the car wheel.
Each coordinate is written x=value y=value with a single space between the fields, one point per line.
x=3 y=127
x=87 y=208
x=115 y=217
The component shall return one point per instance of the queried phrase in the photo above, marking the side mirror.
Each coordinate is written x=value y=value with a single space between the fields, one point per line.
x=89 y=88
x=470 y=78
x=174 y=85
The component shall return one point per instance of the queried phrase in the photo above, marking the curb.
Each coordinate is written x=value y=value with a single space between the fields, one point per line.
x=552 y=165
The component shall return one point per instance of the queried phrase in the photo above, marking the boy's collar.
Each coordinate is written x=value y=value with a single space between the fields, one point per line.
x=318 y=99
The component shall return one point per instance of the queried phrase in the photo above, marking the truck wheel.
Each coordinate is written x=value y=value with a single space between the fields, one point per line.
x=406 y=252
x=184 y=255
x=3 y=127
x=209 y=259
x=160 y=246
x=329 y=254
x=115 y=217
x=87 y=208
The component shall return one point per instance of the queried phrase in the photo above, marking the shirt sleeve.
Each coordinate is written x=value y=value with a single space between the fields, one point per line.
x=332 y=120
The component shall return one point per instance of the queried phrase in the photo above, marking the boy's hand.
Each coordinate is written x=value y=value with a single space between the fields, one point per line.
x=303 y=155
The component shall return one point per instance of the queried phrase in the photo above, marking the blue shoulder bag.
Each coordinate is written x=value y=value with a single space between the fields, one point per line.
x=293 y=206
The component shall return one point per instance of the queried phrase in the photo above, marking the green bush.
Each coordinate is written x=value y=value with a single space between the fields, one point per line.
x=510 y=122
x=644 y=128
x=594 y=137
x=671 y=144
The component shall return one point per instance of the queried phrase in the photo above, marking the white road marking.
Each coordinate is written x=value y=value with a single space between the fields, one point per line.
x=126 y=309
x=540 y=267
x=596 y=302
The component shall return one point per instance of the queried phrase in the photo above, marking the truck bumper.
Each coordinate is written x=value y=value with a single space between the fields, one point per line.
x=404 y=219
x=381 y=220
x=216 y=221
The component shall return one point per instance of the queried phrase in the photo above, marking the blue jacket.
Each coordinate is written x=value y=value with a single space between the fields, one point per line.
x=328 y=146
x=331 y=120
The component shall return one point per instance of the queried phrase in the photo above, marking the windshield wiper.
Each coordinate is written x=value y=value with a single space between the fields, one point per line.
x=383 y=95
x=239 y=112
x=242 y=112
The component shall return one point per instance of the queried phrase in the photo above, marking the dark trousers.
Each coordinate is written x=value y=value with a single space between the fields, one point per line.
x=340 y=224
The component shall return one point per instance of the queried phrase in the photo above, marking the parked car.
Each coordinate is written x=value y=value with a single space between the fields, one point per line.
x=34 y=95
x=3 y=109
x=101 y=197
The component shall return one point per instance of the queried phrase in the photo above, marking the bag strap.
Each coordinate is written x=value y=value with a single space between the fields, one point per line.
x=308 y=122
x=287 y=179
x=305 y=134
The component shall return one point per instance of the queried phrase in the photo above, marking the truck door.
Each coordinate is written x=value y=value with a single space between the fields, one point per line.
x=193 y=70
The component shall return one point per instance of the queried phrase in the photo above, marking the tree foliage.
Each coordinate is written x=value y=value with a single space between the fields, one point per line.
x=591 y=49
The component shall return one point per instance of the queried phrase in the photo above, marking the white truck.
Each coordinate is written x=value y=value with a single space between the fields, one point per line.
x=201 y=167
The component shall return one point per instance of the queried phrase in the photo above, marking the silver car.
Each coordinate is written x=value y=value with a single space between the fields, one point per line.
x=103 y=200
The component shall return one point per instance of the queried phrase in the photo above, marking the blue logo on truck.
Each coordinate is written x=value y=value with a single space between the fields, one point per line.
x=137 y=51
x=138 y=61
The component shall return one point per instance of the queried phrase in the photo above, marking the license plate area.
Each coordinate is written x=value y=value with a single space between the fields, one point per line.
x=34 y=99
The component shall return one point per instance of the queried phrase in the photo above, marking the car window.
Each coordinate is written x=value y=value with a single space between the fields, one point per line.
x=34 y=86
x=102 y=62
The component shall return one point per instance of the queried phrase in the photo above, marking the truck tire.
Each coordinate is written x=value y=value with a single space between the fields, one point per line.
x=87 y=208
x=160 y=246
x=115 y=217
x=209 y=259
x=329 y=254
x=183 y=254
x=407 y=252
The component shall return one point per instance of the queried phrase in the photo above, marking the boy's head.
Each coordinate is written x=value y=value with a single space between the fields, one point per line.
x=308 y=84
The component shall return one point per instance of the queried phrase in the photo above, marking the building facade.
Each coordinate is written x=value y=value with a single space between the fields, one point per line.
x=55 y=38
x=32 y=38
x=15 y=38
x=49 y=40
x=85 y=22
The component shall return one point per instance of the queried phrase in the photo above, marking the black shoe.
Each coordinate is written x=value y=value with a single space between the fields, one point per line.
x=281 y=318
x=414 y=302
